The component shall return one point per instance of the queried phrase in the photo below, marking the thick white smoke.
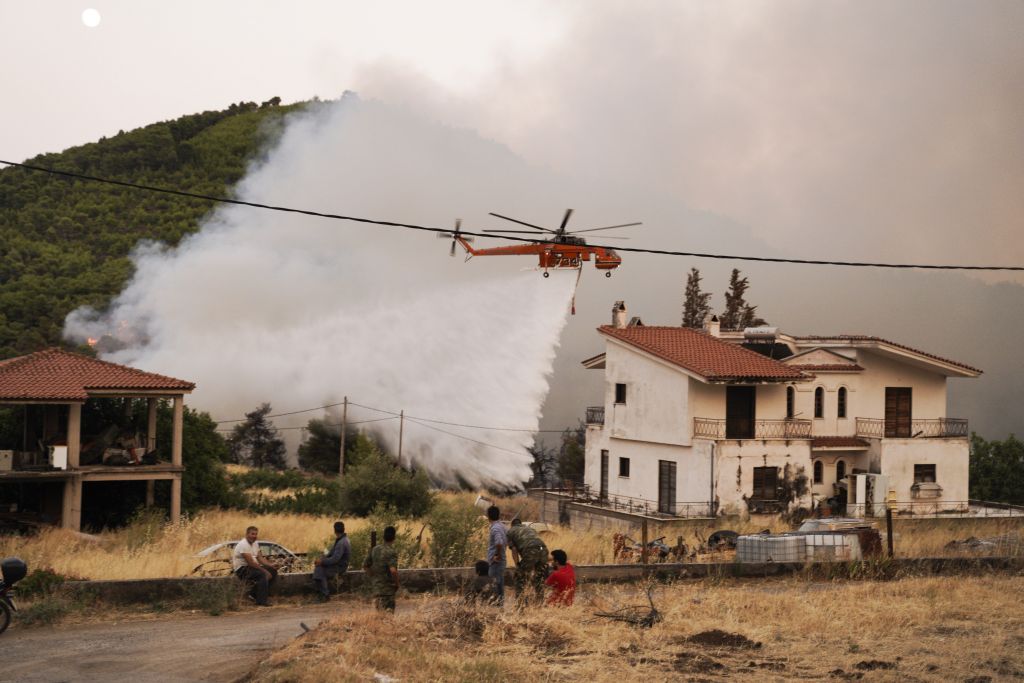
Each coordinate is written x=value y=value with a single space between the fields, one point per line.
x=266 y=306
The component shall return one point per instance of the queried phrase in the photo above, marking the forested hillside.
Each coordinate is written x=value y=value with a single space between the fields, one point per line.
x=65 y=243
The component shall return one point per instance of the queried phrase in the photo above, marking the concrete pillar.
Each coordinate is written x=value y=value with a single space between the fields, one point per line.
x=151 y=425
x=175 y=499
x=150 y=493
x=71 y=516
x=74 y=437
x=176 y=431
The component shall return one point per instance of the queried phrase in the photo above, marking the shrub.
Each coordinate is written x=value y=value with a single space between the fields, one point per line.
x=457 y=534
x=214 y=597
x=45 y=611
x=379 y=480
x=43 y=581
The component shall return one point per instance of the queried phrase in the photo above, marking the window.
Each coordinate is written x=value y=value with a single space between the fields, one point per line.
x=790 y=402
x=819 y=472
x=766 y=483
x=840 y=470
x=819 y=402
x=620 y=393
x=924 y=474
x=841 y=402
x=623 y=467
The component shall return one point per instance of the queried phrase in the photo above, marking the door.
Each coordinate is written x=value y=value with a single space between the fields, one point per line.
x=604 y=476
x=666 y=487
x=739 y=412
x=897 y=412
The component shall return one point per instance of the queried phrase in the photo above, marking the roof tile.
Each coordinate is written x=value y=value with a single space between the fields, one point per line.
x=707 y=356
x=59 y=375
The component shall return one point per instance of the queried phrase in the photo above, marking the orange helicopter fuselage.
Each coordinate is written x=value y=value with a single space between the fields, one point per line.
x=553 y=254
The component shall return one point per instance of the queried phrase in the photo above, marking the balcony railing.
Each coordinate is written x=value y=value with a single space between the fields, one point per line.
x=708 y=428
x=595 y=415
x=943 y=427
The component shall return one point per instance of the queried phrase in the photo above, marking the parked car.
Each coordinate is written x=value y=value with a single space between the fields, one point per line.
x=216 y=560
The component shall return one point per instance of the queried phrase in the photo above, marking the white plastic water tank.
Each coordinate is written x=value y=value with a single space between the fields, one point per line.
x=771 y=549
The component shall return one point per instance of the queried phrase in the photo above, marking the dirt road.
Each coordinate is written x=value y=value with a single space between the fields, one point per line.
x=171 y=649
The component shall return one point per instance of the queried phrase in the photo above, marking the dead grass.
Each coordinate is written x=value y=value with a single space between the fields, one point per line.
x=152 y=549
x=926 y=629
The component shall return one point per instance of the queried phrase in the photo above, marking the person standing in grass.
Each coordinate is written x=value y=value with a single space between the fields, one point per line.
x=531 y=558
x=381 y=568
x=253 y=568
x=562 y=580
x=333 y=563
x=497 y=541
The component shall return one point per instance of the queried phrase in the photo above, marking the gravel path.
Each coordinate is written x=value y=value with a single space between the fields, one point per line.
x=171 y=649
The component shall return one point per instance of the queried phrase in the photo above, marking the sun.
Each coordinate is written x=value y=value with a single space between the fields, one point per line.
x=91 y=18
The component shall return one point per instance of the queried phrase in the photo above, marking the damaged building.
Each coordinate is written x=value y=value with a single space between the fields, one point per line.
x=75 y=423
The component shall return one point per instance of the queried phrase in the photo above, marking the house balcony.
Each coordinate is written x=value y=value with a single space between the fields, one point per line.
x=595 y=415
x=939 y=428
x=709 y=428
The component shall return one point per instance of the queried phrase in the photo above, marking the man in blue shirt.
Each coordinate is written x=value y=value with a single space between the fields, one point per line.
x=497 y=542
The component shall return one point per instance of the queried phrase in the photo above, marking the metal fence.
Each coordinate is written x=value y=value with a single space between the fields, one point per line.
x=709 y=428
x=633 y=505
x=943 y=427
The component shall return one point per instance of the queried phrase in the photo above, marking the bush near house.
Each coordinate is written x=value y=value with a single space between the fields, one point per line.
x=997 y=470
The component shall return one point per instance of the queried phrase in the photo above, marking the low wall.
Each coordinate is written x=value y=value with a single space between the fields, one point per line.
x=425 y=580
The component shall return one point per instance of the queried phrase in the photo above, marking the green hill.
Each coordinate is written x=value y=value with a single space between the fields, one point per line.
x=65 y=243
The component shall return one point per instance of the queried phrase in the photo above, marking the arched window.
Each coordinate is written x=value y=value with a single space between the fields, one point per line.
x=819 y=402
x=819 y=472
x=790 y=402
x=841 y=402
x=840 y=470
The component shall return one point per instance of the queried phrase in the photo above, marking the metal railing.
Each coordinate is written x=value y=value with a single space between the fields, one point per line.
x=943 y=427
x=595 y=415
x=709 y=428
x=633 y=505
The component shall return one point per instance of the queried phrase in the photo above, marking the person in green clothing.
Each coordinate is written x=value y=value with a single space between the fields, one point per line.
x=531 y=557
x=381 y=568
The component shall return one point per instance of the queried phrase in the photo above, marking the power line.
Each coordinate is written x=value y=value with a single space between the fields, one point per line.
x=329 y=424
x=413 y=226
x=294 y=412
x=460 y=436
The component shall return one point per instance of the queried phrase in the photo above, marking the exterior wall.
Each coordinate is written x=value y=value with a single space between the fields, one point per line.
x=734 y=470
x=656 y=407
x=950 y=457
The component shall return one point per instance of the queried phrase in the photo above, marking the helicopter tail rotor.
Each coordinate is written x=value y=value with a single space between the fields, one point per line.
x=455 y=236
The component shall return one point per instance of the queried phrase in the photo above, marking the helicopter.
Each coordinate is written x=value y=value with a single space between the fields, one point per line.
x=563 y=250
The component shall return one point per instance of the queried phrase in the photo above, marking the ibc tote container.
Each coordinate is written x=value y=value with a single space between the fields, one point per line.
x=771 y=549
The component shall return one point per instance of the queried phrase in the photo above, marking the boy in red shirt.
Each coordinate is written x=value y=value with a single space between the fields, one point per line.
x=562 y=580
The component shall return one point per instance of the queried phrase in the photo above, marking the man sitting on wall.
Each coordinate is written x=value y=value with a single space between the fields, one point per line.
x=335 y=562
x=253 y=568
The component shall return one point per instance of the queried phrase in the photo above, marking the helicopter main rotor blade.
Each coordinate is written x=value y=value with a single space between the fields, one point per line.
x=514 y=220
x=624 y=225
x=611 y=237
x=561 y=229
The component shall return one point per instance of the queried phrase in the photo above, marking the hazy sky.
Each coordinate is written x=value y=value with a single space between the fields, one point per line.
x=847 y=130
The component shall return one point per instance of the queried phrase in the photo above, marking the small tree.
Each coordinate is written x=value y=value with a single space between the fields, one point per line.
x=255 y=441
x=695 y=302
x=380 y=480
x=544 y=465
x=321 y=451
x=571 y=455
x=738 y=313
x=457 y=533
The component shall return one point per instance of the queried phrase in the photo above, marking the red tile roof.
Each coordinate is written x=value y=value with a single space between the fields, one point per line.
x=709 y=357
x=828 y=367
x=59 y=375
x=838 y=442
x=878 y=340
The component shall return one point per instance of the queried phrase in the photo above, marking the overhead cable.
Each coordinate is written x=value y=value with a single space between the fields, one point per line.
x=413 y=226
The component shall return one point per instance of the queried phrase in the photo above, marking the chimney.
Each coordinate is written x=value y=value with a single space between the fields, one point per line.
x=619 y=315
x=711 y=326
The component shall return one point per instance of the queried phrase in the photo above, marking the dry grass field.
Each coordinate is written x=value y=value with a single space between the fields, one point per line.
x=914 y=629
x=150 y=548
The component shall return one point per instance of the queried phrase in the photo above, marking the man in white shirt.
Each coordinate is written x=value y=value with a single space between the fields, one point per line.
x=253 y=568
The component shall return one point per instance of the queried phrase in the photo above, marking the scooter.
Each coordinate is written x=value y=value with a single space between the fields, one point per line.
x=12 y=571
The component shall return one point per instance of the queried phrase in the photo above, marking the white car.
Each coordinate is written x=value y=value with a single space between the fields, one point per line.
x=216 y=560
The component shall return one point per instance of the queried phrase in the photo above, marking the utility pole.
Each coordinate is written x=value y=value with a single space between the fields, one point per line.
x=344 y=419
x=401 y=427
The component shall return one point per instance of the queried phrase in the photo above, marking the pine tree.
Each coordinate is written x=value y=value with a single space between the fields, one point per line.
x=738 y=313
x=255 y=441
x=695 y=302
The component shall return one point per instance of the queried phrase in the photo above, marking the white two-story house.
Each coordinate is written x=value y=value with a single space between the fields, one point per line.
x=703 y=422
